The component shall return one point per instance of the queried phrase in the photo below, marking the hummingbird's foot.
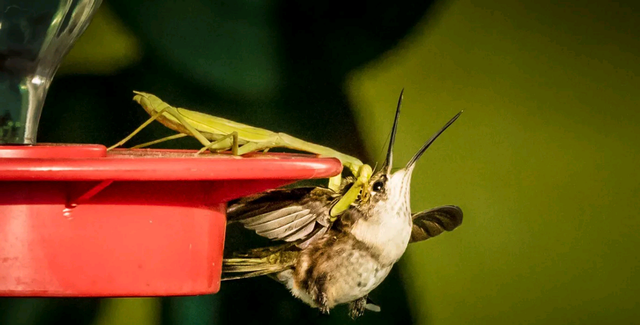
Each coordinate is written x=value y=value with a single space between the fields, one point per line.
x=322 y=300
x=357 y=307
x=324 y=310
x=319 y=294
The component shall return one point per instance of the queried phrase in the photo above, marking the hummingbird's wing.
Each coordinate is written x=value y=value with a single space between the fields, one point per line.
x=292 y=215
x=433 y=222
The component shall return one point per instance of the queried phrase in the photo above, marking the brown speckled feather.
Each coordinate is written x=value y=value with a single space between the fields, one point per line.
x=291 y=215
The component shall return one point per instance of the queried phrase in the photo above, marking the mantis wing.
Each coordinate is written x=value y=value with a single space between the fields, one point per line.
x=433 y=222
x=211 y=127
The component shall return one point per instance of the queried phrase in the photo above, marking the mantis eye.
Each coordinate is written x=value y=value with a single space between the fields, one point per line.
x=378 y=186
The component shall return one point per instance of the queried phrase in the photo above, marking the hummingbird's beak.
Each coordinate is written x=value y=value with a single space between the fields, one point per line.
x=389 y=160
x=418 y=154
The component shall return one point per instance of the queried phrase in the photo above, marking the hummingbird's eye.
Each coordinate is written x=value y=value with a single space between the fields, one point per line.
x=378 y=186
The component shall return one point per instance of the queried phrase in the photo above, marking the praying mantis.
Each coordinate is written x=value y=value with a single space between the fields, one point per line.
x=218 y=134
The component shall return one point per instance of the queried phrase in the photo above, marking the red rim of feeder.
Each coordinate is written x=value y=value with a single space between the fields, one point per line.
x=78 y=221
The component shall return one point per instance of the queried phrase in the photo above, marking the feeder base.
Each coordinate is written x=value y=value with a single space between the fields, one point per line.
x=128 y=222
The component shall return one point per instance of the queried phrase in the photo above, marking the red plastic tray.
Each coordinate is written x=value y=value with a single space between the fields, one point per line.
x=77 y=221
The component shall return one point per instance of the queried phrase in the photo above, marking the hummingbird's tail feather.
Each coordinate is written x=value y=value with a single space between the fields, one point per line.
x=258 y=262
x=235 y=268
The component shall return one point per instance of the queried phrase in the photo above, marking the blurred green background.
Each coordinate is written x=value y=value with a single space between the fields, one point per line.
x=543 y=161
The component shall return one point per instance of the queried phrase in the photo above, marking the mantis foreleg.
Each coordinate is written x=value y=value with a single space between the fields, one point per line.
x=359 y=187
x=153 y=117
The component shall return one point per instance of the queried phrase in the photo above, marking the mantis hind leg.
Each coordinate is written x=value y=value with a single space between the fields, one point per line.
x=271 y=142
x=282 y=140
x=234 y=144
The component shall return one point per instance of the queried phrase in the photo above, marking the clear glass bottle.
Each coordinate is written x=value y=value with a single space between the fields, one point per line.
x=34 y=37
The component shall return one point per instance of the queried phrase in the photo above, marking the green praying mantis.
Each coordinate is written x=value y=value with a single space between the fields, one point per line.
x=219 y=134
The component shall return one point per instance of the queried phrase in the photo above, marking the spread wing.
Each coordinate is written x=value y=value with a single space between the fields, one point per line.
x=433 y=222
x=298 y=215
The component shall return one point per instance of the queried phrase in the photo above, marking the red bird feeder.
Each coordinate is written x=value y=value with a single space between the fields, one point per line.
x=79 y=221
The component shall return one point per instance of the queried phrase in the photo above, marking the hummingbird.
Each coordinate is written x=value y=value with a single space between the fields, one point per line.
x=326 y=263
